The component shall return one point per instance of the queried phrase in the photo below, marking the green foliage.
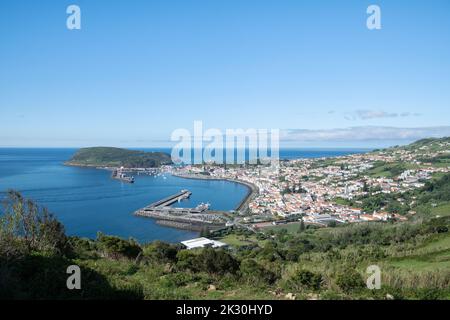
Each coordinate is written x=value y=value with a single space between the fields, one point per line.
x=185 y=260
x=116 y=247
x=256 y=273
x=26 y=227
x=383 y=169
x=434 y=192
x=444 y=158
x=438 y=190
x=349 y=280
x=37 y=276
x=82 y=246
x=413 y=257
x=35 y=254
x=161 y=252
x=215 y=261
x=304 y=279
x=270 y=252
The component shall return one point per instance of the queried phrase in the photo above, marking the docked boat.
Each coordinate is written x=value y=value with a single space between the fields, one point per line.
x=120 y=175
x=202 y=207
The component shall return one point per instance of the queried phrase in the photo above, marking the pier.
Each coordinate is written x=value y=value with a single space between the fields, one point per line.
x=183 y=194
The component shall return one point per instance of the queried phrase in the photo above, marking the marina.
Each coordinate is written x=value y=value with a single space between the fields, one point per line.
x=185 y=218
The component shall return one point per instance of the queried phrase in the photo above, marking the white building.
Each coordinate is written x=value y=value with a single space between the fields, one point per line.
x=202 y=243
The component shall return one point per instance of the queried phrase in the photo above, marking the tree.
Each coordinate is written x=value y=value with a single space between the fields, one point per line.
x=23 y=224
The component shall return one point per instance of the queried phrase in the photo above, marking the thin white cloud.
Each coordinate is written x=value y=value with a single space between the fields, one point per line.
x=365 y=133
x=365 y=114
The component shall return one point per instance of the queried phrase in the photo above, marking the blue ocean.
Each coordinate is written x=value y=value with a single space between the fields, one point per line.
x=87 y=200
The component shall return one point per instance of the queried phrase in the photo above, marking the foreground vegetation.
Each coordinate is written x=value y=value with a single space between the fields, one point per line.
x=309 y=264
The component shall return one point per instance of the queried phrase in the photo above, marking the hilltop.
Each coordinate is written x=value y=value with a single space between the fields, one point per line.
x=117 y=157
x=424 y=146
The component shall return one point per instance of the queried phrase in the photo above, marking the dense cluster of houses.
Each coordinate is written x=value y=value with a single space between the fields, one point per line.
x=310 y=187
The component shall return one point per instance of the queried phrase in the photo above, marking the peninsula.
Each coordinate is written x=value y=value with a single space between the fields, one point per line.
x=117 y=157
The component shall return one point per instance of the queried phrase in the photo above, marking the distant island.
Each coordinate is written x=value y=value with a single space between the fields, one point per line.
x=117 y=157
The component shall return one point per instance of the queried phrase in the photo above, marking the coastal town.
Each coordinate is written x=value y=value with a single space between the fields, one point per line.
x=317 y=191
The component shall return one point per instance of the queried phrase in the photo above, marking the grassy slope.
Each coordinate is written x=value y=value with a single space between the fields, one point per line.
x=431 y=256
x=441 y=210
x=292 y=227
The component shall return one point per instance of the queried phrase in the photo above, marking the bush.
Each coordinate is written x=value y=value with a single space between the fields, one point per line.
x=254 y=272
x=215 y=262
x=115 y=247
x=161 y=252
x=305 y=279
x=349 y=281
x=82 y=245
x=185 y=260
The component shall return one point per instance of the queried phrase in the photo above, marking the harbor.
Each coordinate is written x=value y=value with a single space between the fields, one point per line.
x=242 y=207
x=184 y=218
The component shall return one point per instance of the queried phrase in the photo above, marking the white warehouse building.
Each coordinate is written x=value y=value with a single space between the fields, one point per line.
x=202 y=243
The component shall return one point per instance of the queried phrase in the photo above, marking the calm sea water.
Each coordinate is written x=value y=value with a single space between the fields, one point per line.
x=88 y=200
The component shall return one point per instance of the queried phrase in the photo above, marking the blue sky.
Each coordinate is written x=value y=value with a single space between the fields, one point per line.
x=137 y=70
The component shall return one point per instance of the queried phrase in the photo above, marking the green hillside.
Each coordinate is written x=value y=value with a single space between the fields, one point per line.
x=116 y=157
x=314 y=264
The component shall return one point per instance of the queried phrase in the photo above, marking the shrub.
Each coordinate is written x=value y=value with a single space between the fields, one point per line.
x=254 y=272
x=185 y=260
x=115 y=247
x=161 y=252
x=349 y=280
x=305 y=279
x=215 y=262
